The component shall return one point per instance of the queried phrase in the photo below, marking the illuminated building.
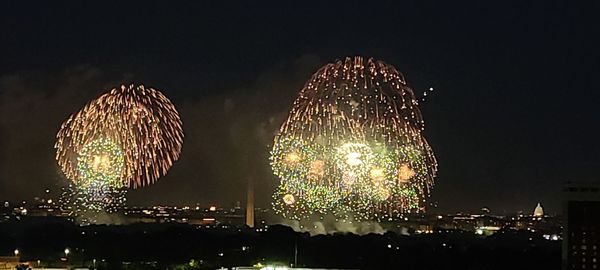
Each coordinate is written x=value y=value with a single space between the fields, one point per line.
x=539 y=211
x=581 y=244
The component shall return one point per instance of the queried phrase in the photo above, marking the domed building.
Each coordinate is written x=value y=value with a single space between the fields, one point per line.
x=539 y=211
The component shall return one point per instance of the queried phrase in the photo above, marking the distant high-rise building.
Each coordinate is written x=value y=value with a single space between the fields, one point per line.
x=250 y=205
x=539 y=211
x=581 y=236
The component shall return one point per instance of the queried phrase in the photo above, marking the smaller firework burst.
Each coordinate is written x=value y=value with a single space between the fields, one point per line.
x=126 y=138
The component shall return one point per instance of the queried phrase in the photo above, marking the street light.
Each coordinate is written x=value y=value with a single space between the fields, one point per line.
x=67 y=251
x=16 y=252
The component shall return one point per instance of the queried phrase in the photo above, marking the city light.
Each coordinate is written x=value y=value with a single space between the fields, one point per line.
x=275 y=268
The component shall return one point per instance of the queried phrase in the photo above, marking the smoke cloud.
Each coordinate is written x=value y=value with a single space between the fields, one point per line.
x=329 y=225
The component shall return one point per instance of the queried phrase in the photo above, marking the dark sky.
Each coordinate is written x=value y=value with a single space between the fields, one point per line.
x=513 y=115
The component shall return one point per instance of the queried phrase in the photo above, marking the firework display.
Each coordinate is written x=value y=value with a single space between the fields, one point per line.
x=352 y=146
x=87 y=202
x=126 y=138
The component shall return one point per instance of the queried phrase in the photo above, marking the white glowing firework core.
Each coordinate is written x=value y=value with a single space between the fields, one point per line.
x=353 y=159
x=355 y=155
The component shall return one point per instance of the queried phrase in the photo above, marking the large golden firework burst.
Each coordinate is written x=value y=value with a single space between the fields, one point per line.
x=352 y=145
x=128 y=137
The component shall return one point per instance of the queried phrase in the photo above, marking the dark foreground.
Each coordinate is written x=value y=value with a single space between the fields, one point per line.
x=179 y=246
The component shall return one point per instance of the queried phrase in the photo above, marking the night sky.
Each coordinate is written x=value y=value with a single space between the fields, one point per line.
x=513 y=116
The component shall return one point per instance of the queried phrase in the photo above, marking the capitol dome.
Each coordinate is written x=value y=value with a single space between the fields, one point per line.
x=539 y=211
